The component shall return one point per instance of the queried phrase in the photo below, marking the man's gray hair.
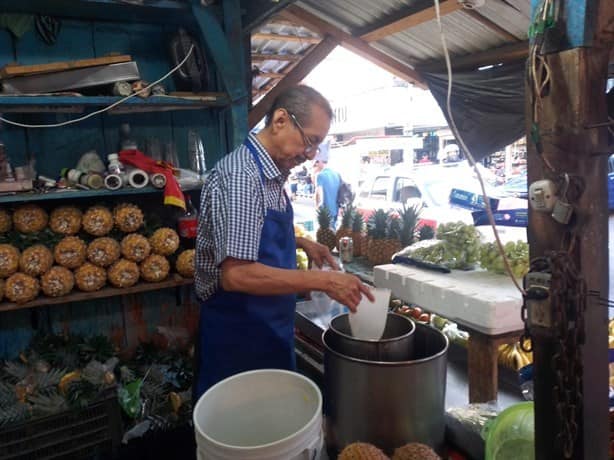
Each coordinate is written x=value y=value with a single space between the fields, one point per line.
x=298 y=100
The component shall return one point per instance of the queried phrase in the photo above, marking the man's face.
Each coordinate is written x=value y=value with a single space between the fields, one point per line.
x=298 y=141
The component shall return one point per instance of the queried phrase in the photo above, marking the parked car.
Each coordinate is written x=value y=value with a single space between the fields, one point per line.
x=517 y=186
x=431 y=187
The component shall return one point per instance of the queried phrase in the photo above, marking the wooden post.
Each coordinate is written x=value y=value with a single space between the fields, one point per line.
x=576 y=98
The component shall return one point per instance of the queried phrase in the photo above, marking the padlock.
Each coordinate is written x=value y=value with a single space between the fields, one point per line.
x=562 y=212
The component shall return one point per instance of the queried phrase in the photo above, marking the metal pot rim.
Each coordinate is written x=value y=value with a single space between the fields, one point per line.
x=389 y=363
x=393 y=339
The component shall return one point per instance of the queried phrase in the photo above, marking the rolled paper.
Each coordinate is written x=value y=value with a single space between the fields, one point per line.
x=158 y=180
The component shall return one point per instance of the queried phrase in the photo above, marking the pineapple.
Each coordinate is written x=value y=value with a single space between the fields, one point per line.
x=325 y=234
x=357 y=235
x=409 y=220
x=393 y=237
x=346 y=222
x=384 y=231
x=377 y=237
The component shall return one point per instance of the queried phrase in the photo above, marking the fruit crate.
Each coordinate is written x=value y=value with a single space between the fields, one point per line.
x=93 y=432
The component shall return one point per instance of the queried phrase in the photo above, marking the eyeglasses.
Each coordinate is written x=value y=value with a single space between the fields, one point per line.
x=309 y=147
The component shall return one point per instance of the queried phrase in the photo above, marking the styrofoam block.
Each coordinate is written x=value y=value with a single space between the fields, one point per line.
x=483 y=301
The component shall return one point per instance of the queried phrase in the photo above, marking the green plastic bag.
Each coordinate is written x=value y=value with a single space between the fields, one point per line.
x=129 y=396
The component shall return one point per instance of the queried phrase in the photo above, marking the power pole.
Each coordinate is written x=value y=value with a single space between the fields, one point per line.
x=568 y=66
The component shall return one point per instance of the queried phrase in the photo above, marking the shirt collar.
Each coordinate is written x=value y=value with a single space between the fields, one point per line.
x=269 y=168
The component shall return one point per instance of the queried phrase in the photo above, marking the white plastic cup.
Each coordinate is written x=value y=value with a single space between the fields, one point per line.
x=369 y=321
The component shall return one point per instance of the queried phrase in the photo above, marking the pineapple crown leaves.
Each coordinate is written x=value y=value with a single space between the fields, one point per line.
x=22 y=241
x=98 y=347
x=358 y=222
x=324 y=217
x=393 y=227
x=46 y=383
x=15 y=413
x=16 y=371
x=377 y=225
x=409 y=218
x=349 y=210
x=8 y=396
x=47 y=404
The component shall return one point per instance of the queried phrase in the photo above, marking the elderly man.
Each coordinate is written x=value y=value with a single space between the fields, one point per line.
x=246 y=271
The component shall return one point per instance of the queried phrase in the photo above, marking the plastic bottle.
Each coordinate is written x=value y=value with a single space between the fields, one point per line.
x=187 y=224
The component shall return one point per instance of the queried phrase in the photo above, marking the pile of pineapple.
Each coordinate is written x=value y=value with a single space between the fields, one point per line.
x=377 y=239
x=51 y=254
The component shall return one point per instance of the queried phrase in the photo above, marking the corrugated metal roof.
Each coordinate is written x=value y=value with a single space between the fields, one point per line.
x=497 y=23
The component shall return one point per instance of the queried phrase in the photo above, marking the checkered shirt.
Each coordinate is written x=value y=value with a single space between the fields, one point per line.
x=233 y=204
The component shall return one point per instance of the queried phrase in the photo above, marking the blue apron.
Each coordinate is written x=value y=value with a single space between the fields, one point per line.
x=240 y=332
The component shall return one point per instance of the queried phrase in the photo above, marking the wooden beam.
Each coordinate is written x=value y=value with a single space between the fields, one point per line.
x=295 y=76
x=276 y=57
x=575 y=99
x=502 y=54
x=354 y=44
x=491 y=25
x=286 y=38
x=411 y=20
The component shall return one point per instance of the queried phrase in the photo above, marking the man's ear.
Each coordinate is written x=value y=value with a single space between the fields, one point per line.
x=280 y=119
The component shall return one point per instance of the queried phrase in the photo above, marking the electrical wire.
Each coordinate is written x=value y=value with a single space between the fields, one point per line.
x=472 y=161
x=105 y=109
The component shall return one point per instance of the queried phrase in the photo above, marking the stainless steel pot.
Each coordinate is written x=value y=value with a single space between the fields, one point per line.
x=396 y=344
x=387 y=403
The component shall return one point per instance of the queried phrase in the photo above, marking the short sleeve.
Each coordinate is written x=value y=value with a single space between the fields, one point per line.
x=238 y=217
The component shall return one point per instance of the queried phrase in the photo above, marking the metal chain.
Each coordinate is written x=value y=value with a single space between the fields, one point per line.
x=568 y=299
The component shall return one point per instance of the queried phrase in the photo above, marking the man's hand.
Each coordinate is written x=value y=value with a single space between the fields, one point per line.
x=317 y=252
x=347 y=289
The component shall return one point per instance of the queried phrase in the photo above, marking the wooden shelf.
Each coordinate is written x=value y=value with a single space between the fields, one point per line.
x=63 y=194
x=78 y=104
x=174 y=280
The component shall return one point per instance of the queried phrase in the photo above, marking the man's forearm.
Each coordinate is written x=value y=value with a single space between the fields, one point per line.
x=259 y=279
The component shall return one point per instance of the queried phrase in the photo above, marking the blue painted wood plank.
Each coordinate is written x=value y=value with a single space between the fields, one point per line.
x=15 y=333
x=73 y=42
x=12 y=137
x=52 y=103
x=70 y=195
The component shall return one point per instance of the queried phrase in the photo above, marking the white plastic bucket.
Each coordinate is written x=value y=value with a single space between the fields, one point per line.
x=267 y=414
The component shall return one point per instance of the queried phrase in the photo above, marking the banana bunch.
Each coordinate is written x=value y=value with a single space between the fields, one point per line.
x=513 y=357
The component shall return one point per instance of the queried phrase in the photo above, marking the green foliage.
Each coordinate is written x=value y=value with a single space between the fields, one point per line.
x=24 y=240
x=376 y=228
x=358 y=222
x=349 y=211
x=323 y=216
x=394 y=227
x=409 y=219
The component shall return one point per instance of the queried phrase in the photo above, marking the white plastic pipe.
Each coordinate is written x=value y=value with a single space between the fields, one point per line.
x=138 y=178
x=113 y=182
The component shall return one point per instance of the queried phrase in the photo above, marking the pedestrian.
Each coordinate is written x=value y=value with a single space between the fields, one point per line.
x=327 y=184
x=246 y=273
